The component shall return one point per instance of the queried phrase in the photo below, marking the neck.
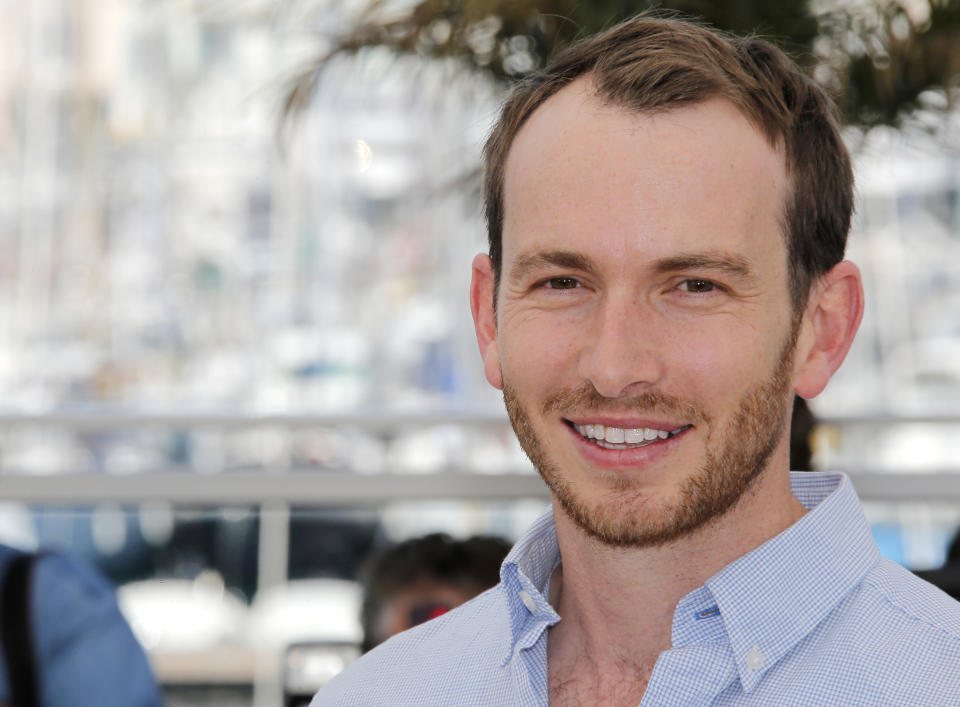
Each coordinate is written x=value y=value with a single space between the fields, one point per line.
x=598 y=589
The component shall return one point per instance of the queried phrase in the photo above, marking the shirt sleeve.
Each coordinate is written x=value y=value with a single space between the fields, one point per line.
x=86 y=653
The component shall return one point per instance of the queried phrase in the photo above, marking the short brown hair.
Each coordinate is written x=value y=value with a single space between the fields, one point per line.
x=654 y=63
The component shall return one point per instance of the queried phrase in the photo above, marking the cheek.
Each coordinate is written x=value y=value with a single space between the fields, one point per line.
x=717 y=363
x=539 y=351
x=396 y=618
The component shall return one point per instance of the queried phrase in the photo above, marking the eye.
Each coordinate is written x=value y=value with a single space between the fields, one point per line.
x=696 y=285
x=561 y=283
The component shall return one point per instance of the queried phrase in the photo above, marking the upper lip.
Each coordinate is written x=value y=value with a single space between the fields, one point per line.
x=632 y=423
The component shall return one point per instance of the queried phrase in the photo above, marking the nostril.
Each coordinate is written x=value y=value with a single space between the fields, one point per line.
x=616 y=374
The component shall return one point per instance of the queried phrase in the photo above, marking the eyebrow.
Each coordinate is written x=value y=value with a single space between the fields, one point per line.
x=730 y=264
x=558 y=258
x=734 y=265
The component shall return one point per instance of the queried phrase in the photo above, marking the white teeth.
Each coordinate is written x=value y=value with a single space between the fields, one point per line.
x=615 y=435
x=618 y=435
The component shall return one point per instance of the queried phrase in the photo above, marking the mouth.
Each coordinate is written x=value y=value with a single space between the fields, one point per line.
x=619 y=438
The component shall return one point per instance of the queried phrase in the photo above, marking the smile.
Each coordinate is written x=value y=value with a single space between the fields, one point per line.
x=622 y=438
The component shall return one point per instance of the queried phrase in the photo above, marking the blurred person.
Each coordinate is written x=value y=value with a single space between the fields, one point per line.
x=948 y=576
x=667 y=209
x=423 y=578
x=65 y=643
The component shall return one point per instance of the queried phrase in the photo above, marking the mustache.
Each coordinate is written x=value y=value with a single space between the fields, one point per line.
x=586 y=398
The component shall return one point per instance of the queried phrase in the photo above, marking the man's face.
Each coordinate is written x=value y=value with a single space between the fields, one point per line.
x=644 y=332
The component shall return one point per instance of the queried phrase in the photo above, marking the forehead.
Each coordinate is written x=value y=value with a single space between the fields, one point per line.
x=694 y=178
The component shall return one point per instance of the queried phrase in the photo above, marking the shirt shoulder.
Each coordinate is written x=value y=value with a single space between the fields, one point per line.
x=63 y=582
x=931 y=611
x=894 y=640
x=456 y=658
x=85 y=649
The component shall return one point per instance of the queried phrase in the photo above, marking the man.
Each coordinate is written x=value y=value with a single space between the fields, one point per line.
x=668 y=210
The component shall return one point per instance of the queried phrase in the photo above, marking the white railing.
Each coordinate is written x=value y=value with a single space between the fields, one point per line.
x=332 y=487
x=276 y=490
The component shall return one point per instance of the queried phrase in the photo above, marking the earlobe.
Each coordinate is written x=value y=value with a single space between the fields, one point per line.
x=484 y=318
x=833 y=316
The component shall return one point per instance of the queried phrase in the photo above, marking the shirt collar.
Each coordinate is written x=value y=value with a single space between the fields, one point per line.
x=768 y=600
x=525 y=577
x=774 y=596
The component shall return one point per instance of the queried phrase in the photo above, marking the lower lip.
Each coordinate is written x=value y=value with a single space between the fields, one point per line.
x=625 y=459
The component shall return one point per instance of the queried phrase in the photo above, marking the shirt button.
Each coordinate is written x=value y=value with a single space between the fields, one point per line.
x=528 y=601
x=754 y=658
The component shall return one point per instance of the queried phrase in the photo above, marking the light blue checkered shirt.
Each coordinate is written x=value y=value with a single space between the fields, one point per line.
x=814 y=616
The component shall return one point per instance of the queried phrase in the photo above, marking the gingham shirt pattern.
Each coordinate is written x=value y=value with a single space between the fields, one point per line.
x=814 y=616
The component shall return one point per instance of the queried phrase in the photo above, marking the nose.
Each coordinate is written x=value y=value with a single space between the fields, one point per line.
x=619 y=354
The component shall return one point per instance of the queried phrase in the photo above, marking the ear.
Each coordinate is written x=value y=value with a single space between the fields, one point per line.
x=484 y=318
x=829 y=324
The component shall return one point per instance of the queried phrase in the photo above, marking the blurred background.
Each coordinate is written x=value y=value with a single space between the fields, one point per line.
x=236 y=355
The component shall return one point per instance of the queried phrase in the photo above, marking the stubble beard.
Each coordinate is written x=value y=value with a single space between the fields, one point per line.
x=626 y=517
